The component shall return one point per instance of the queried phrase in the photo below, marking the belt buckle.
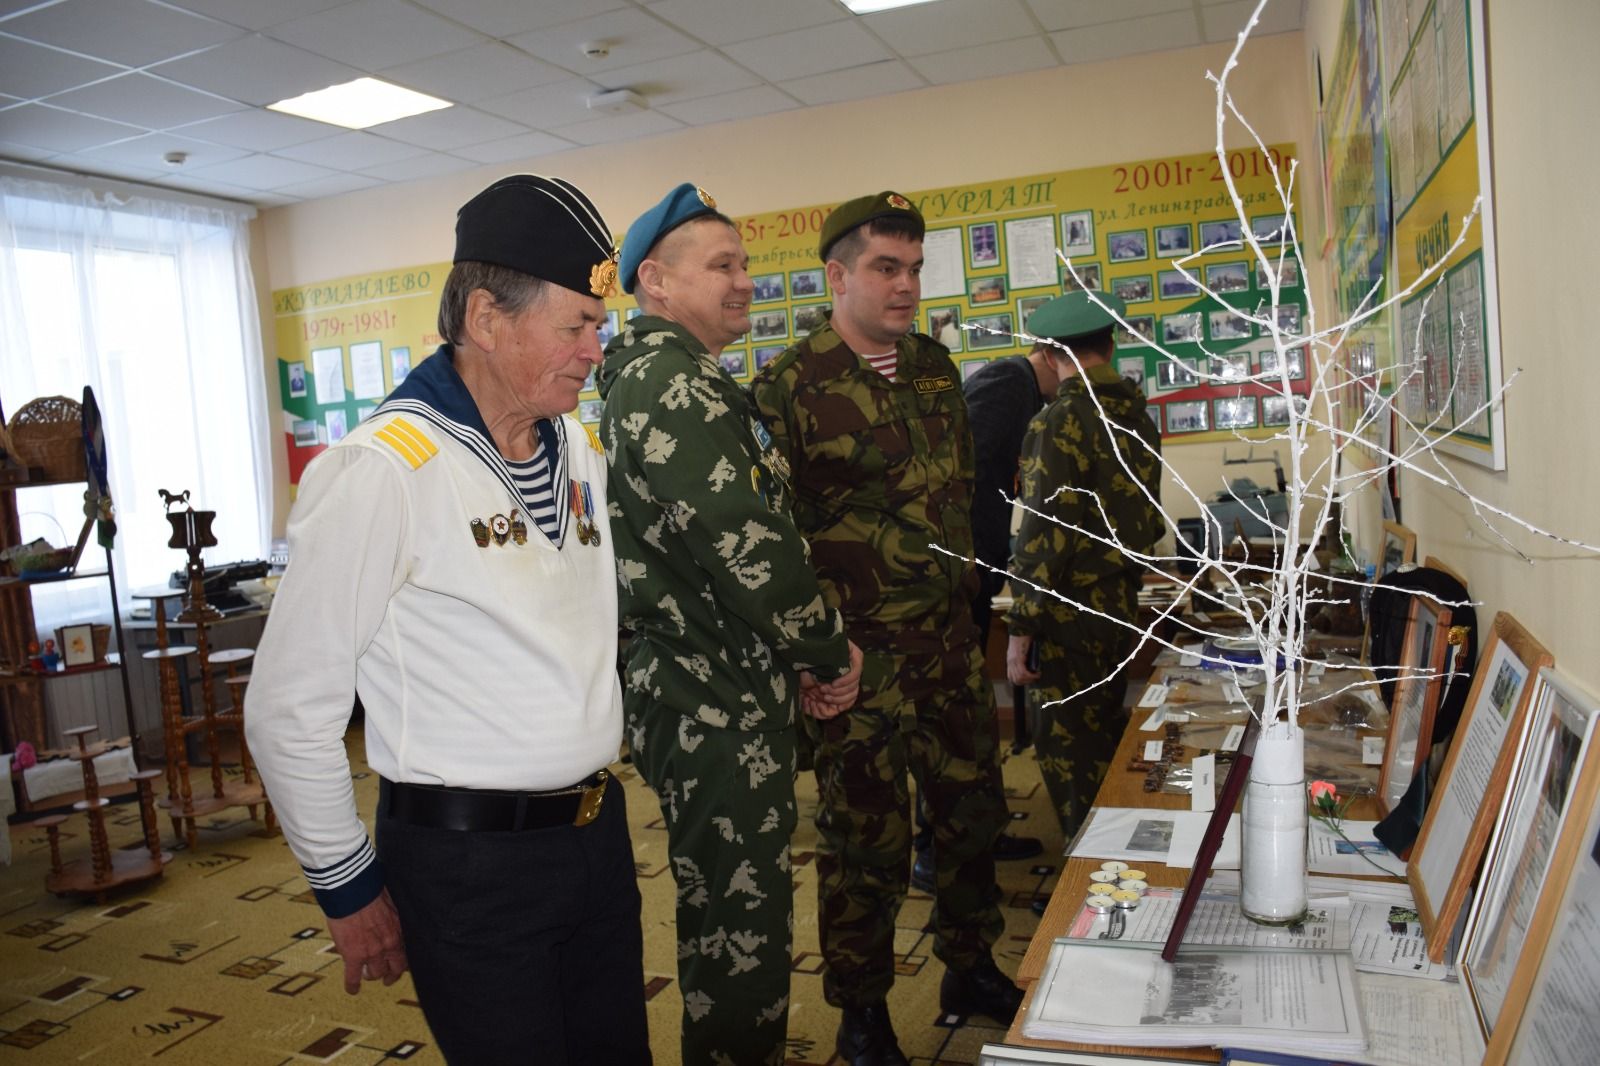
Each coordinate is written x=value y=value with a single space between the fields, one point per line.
x=593 y=796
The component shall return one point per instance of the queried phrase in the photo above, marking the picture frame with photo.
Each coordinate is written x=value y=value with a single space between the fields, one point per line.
x=810 y=317
x=735 y=362
x=993 y=331
x=1275 y=409
x=1185 y=327
x=1172 y=241
x=1399 y=548
x=944 y=326
x=1141 y=331
x=1417 y=687
x=306 y=433
x=1188 y=416
x=1234 y=412
x=1133 y=289
x=297 y=381
x=1128 y=246
x=77 y=645
x=1154 y=411
x=983 y=245
x=987 y=290
x=970 y=367
x=1289 y=318
x=1267 y=361
x=768 y=288
x=1269 y=229
x=1229 y=368
x=803 y=283
x=769 y=325
x=589 y=411
x=1222 y=235
x=1176 y=285
x=1077 y=233
x=337 y=423
x=1027 y=305
x=1088 y=277
x=1175 y=374
x=1132 y=368
x=608 y=329
x=1228 y=277
x=399 y=364
x=1226 y=324
x=762 y=356
x=1288 y=269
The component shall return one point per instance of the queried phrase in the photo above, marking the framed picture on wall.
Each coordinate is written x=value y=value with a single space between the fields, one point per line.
x=763 y=356
x=803 y=283
x=1135 y=288
x=1088 y=277
x=1227 y=368
x=1154 y=411
x=1175 y=284
x=1141 y=330
x=1288 y=271
x=1234 y=412
x=808 y=317
x=972 y=366
x=993 y=331
x=1174 y=240
x=1228 y=277
x=399 y=364
x=1174 y=374
x=768 y=288
x=1267 y=360
x=608 y=329
x=1221 y=235
x=988 y=290
x=1269 y=229
x=736 y=361
x=337 y=425
x=1131 y=368
x=1289 y=318
x=305 y=433
x=769 y=325
x=1128 y=246
x=944 y=326
x=1027 y=305
x=1275 y=409
x=297 y=380
x=983 y=245
x=1187 y=416
x=1229 y=325
x=589 y=411
x=1077 y=233
x=1183 y=328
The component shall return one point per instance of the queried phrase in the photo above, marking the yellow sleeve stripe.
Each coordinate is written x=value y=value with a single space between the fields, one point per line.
x=412 y=445
x=594 y=439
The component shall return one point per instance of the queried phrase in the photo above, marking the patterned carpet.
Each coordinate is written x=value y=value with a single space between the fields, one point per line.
x=226 y=959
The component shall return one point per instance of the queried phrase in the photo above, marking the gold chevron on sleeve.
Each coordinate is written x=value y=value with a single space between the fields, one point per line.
x=594 y=439
x=408 y=441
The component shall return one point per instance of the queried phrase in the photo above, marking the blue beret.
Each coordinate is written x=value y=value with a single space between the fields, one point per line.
x=541 y=226
x=677 y=207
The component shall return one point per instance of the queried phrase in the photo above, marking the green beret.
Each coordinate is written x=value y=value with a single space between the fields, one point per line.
x=858 y=212
x=677 y=207
x=540 y=226
x=1075 y=315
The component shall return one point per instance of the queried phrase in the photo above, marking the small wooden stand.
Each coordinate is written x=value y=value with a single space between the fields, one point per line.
x=103 y=870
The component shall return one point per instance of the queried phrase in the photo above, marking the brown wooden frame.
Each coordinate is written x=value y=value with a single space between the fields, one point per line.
x=1430 y=678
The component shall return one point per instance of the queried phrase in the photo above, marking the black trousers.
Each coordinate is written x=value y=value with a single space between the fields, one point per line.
x=524 y=947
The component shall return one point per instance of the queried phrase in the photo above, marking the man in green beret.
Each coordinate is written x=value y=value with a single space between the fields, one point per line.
x=1096 y=438
x=727 y=617
x=872 y=421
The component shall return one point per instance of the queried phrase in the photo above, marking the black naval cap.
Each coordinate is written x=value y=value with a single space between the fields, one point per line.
x=540 y=226
x=858 y=212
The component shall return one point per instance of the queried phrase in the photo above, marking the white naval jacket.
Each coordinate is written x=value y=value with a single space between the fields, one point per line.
x=478 y=667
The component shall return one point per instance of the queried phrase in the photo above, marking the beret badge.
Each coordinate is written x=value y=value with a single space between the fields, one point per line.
x=896 y=200
x=705 y=197
x=603 y=277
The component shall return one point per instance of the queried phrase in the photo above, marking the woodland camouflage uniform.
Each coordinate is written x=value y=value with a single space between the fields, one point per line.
x=882 y=470
x=718 y=590
x=1068 y=444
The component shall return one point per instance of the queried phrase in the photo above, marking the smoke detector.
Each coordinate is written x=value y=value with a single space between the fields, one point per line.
x=175 y=159
x=595 y=49
x=616 y=102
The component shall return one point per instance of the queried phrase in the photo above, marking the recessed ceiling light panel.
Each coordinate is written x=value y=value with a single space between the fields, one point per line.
x=359 y=104
x=867 y=7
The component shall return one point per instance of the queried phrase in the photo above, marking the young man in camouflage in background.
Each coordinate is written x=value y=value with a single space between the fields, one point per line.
x=874 y=425
x=1096 y=438
x=726 y=612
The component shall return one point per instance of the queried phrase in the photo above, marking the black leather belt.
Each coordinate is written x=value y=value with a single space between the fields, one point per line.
x=486 y=810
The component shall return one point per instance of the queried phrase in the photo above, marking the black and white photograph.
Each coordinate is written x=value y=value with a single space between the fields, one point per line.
x=589 y=411
x=769 y=325
x=983 y=244
x=1269 y=229
x=994 y=332
x=1141 y=330
x=1234 y=412
x=305 y=433
x=1187 y=416
x=1503 y=690
x=1288 y=273
x=1183 y=328
x=1088 y=277
x=1228 y=277
x=1128 y=246
x=990 y=290
x=1267 y=361
x=1136 y=288
x=944 y=326
x=763 y=356
x=1215 y=236
x=1027 y=305
x=608 y=329
x=1228 y=325
x=805 y=283
x=1175 y=284
x=1174 y=374
x=736 y=362
x=808 y=317
x=1174 y=240
x=1132 y=369
x=1077 y=233
x=297 y=380
x=1229 y=367
x=1151 y=834
x=1289 y=318
x=1275 y=409
x=769 y=287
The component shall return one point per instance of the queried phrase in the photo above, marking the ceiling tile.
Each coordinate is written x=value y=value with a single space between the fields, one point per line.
x=668 y=81
x=727 y=21
x=145 y=101
x=134 y=32
x=147 y=151
x=506 y=18
x=1224 y=21
x=952 y=24
x=524 y=147
x=1153 y=33
x=259 y=131
x=257 y=14
x=336 y=185
x=373 y=34
x=32 y=70
x=799 y=53
x=355 y=150
x=985 y=61
x=477 y=73
x=747 y=103
x=619 y=127
x=560 y=104
x=46 y=127
x=632 y=36
x=110 y=168
x=25 y=152
x=450 y=128
x=875 y=79
x=257 y=70
x=1070 y=14
x=11 y=7
x=262 y=172
x=426 y=165
x=210 y=187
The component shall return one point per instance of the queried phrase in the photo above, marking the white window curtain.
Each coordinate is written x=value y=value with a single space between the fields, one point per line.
x=152 y=304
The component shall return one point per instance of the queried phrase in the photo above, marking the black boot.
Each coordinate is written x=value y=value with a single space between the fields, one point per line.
x=922 y=872
x=980 y=990
x=867 y=1039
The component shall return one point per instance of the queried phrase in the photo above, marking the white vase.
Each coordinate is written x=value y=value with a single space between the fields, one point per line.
x=1272 y=859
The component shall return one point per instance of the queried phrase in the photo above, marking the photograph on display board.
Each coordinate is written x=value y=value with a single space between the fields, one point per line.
x=1229 y=325
x=991 y=290
x=1267 y=360
x=1132 y=370
x=337 y=425
x=1222 y=235
x=1174 y=374
x=399 y=364
x=944 y=326
x=1141 y=331
x=983 y=245
x=1136 y=288
x=588 y=380
x=1289 y=318
x=736 y=362
x=1154 y=411
x=1174 y=240
x=1183 y=328
x=970 y=367
x=1234 y=412
x=769 y=325
x=806 y=283
x=1077 y=233
x=1027 y=305
x=305 y=433
x=1269 y=229
x=1275 y=409
x=1175 y=284
x=608 y=329
x=1088 y=277
x=1288 y=273
x=768 y=287
x=1228 y=277
x=297 y=381
x=1128 y=246
x=1227 y=368
x=364 y=413
x=1187 y=416
x=589 y=411
x=993 y=331
x=763 y=356
x=808 y=317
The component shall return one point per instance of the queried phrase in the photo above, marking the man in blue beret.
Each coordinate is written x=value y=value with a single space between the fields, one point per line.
x=728 y=619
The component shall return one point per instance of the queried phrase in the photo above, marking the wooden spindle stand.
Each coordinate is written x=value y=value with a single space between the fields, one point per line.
x=104 y=870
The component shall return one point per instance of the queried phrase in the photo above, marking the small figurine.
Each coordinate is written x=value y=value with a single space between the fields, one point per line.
x=35 y=662
x=51 y=659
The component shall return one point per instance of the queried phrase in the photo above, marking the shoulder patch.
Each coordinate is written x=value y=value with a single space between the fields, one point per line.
x=942 y=383
x=594 y=439
x=409 y=442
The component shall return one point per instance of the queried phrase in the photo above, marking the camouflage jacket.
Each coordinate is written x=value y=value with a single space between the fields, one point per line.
x=1068 y=444
x=881 y=471
x=715 y=579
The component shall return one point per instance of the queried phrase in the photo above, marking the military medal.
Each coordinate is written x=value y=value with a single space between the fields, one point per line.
x=500 y=526
x=519 y=528
x=588 y=514
x=480 y=533
x=582 y=506
x=575 y=505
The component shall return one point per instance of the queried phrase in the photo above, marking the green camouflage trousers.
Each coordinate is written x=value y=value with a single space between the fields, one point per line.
x=1077 y=740
x=932 y=714
x=728 y=800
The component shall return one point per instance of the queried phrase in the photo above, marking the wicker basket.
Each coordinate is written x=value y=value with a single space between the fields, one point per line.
x=48 y=433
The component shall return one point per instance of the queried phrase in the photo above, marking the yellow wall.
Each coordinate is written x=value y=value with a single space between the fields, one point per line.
x=1542 y=86
x=1069 y=117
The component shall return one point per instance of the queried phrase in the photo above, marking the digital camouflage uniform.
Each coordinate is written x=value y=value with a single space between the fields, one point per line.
x=718 y=590
x=1068 y=444
x=881 y=471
